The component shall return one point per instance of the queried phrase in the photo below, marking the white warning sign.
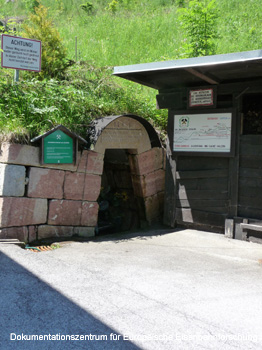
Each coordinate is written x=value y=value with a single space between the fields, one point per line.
x=20 y=53
x=202 y=97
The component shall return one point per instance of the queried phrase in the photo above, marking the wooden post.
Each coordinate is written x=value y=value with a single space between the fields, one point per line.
x=234 y=164
x=170 y=178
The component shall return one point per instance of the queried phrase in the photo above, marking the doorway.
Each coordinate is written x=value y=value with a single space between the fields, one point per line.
x=119 y=209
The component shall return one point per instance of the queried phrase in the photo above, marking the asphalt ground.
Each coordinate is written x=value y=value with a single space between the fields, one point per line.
x=155 y=289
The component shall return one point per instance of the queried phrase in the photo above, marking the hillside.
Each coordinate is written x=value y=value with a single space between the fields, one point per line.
x=104 y=33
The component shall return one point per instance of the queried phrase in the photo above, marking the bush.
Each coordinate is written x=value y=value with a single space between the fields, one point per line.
x=200 y=23
x=54 y=62
x=88 y=7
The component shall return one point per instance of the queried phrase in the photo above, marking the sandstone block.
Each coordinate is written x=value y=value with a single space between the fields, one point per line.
x=159 y=158
x=12 y=180
x=82 y=162
x=147 y=162
x=19 y=154
x=89 y=213
x=32 y=233
x=152 y=209
x=74 y=185
x=95 y=163
x=20 y=233
x=123 y=133
x=18 y=211
x=160 y=180
x=149 y=184
x=133 y=163
x=47 y=231
x=84 y=231
x=46 y=183
x=64 y=212
x=143 y=163
x=68 y=167
x=92 y=187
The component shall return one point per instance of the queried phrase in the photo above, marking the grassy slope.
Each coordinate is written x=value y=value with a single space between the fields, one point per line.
x=139 y=31
x=143 y=31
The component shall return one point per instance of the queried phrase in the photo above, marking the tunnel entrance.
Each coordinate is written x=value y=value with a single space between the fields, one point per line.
x=119 y=208
x=133 y=175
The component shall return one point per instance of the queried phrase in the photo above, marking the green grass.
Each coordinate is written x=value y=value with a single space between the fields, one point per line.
x=139 y=31
x=32 y=107
x=142 y=31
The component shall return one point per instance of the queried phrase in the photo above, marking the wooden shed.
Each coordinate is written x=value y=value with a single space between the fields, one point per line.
x=214 y=146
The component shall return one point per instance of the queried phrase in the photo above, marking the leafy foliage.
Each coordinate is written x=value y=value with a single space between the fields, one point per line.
x=39 y=26
x=112 y=6
x=88 y=7
x=33 y=107
x=199 y=22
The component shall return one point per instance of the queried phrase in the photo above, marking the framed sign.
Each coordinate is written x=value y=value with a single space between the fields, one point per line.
x=58 y=148
x=204 y=97
x=20 y=53
x=205 y=133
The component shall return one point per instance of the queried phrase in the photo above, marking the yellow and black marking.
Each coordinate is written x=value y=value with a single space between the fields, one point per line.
x=41 y=248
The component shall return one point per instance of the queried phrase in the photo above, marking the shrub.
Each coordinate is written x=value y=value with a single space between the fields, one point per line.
x=88 y=7
x=200 y=23
x=112 y=6
x=54 y=62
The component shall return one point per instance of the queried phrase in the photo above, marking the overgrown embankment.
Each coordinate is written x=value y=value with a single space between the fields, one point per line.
x=31 y=107
x=106 y=33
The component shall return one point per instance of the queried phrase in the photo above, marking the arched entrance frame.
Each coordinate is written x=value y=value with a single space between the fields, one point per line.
x=146 y=156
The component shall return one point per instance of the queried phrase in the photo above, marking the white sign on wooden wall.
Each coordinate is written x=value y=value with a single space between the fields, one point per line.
x=209 y=132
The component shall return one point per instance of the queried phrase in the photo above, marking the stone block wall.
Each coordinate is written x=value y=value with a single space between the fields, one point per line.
x=148 y=178
x=39 y=201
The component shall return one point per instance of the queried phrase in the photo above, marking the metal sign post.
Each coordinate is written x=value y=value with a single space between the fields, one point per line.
x=16 y=76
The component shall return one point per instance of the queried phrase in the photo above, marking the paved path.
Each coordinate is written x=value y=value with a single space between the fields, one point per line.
x=157 y=290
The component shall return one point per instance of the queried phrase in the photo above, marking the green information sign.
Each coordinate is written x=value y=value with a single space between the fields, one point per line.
x=58 y=148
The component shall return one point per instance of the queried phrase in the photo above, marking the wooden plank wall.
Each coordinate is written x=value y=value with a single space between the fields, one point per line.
x=250 y=177
x=202 y=191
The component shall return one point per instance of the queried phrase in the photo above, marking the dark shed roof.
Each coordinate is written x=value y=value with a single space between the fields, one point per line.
x=190 y=72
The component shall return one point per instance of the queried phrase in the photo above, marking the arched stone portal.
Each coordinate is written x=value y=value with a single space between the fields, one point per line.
x=133 y=158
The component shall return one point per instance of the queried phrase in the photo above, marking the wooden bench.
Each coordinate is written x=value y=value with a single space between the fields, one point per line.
x=245 y=226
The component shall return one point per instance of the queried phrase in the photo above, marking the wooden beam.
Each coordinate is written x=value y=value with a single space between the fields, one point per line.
x=202 y=76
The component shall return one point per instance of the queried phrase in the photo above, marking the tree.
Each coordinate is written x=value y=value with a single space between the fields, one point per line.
x=199 y=20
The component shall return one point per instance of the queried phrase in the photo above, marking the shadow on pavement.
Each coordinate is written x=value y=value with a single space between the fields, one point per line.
x=29 y=306
x=116 y=237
